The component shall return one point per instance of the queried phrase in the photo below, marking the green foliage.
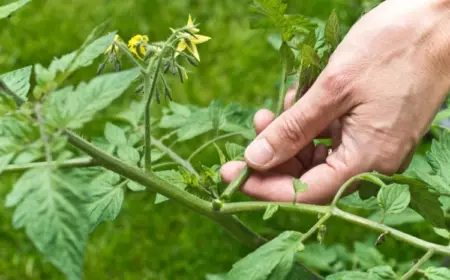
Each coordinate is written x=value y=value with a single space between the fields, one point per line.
x=437 y=273
x=88 y=197
x=394 y=198
x=270 y=211
x=274 y=260
x=7 y=10
x=299 y=187
x=49 y=207
x=71 y=108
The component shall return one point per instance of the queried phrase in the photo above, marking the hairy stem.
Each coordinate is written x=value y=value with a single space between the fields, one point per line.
x=418 y=265
x=147 y=127
x=282 y=91
x=44 y=136
x=236 y=184
x=229 y=223
x=124 y=49
x=174 y=156
x=71 y=163
x=205 y=145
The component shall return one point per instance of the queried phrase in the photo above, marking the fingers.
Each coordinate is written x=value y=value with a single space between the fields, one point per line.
x=295 y=128
x=262 y=119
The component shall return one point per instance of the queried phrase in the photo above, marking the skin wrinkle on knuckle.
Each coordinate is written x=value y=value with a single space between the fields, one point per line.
x=292 y=128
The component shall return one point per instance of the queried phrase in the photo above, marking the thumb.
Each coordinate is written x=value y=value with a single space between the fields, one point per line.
x=298 y=126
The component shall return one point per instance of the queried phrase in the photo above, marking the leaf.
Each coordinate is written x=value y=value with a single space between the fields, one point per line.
x=132 y=113
x=70 y=108
x=234 y=151
x=135 y=187
x=368 y=256
x=18 y=81
x=423 y=201
x=106 y=204
x=115 y=135
x=383 y=272
x=173 y=177
x=333 y=30
x=439 y=157
x=299 y=187
x=301 y=272
x=75 y=60
x=408 y=216
x=310 y=56
x=180 y=109
x=394 y=198
x=5 y=160
x=50 y=209
x=350 y=275
x=318 y=256
x=271 y=209
x=7 y=10
x=128 y=154
x=437 y=273
x=222 y=157
x=273 y=260
x=442 y=232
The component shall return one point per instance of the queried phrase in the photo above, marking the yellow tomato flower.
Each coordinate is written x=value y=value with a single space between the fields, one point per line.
x=193 y=38
x=138 y=45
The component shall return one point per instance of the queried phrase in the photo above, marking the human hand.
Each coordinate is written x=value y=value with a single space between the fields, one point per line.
x=375 y=99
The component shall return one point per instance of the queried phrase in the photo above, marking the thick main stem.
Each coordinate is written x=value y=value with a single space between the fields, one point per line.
x=147 y=127
x=229 y=223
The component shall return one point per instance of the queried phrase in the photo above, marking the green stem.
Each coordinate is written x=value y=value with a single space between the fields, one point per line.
x=229 y=223
x=418 y=265
x=174 y=156
x=204 y=146
x=44 y=136
x=124 y=49
x=233 y=208
x=282 y=91
x=316 y=226
x=147 y=127
x=236 y=184
x=71 y=163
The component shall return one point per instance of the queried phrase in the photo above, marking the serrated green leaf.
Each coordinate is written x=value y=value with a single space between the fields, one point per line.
x=394 y=198
x=179 y=109
x=106 y=201
x=437 y=273
x=234 y=151
x=423 y=201
x=71 y=108
x=50 y=209
x=368 y=256
x=333 y=30
x=172 y=176
x=383 y=272
x=7 y=10
x=271 y=209
x=128 y=154
x=90 y=50
x=133 y=113
x=310 y=56
x=408 y=216
x=115 y=135
x=222 y=157
x=273 y=260
x=318 y=256
x=18 y=81
x=135 y=187
x=301 y=272
x=299 y=187
x=439 y=157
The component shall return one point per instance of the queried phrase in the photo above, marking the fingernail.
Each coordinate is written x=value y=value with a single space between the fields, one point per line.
x=259 y=152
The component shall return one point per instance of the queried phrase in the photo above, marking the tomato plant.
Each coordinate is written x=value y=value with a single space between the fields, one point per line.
x=69 y=184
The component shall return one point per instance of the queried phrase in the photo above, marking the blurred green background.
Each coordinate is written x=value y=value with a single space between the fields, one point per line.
x=238 y=65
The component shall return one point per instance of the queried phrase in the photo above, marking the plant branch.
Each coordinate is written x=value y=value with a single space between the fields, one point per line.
x=147 y=126
x=71 y=163
x=315 y=227
x=282 y=91
x=418 y=265
x=205 y=145
x=236 y=184
x=44 y=136
x=153 y=182
x=124 y=49
x=174 y=156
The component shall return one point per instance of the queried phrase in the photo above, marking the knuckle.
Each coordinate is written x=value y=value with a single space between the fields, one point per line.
x=291 y=129
x=338 y=83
